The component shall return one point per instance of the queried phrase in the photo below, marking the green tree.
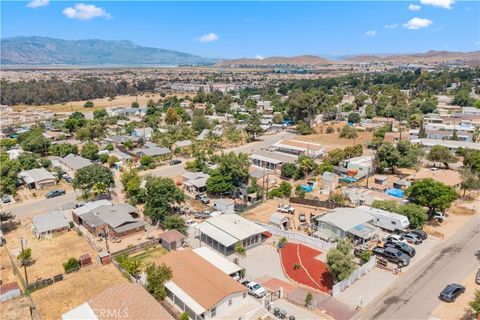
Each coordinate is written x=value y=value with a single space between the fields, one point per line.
x=156 y=278
x=90 y=151
x=288 y=170
x=200 y=122
x=240 y=250
x=7 y=144
x=253 y=127
x=303 y=128
x=340 y=261
x=171 y=117
x=300 y=192
x=277 y=118
x=308 y=299
x=415 y=120
x=184 y=316
x=324 y=167
x=462 y=98
x=70 y=265
x=35 y=142
x=475 y=303
x=470 y=180
x=175 y=223
x=146 y=160
x=86 y=178
x=306 y=165
x=441 y=154
x=285 y=189
x=88 y=104
x=354 y=118
x=135 y=104
x=25 y=256
x=431 y=194
x=29 y=161
x=161 y=194
x=100 y=114
x=5 y=216
x=348 y=132
x=62 y=149
x=218 y=183
x=112 y=159
x=235 y=166
x=387 y=157
x=9 y=170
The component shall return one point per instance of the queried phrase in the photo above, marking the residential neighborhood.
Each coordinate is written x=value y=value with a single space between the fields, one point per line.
x=192 y=187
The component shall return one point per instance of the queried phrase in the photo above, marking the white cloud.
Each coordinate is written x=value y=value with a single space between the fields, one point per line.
x=391 y=26
x=81 y=11
x=414 y=7
x=371 y=33
x=259 y=57
x=446 y=4
x=38 y=3
x=208 y=37
x=417 y=23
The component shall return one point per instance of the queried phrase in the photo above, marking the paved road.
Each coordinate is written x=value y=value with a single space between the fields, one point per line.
x=179 y=169
x=415 y=294
x=30 y=209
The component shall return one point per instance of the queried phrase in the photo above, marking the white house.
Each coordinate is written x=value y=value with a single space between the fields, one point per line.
x=224 y=205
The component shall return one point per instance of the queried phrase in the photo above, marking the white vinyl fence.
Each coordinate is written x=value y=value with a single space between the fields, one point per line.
x=298 y=237
x=357 y=274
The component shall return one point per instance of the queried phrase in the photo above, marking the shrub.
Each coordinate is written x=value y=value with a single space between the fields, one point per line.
x=296 y=266
x=330 y=130
x=71 y=265
x=88 y=104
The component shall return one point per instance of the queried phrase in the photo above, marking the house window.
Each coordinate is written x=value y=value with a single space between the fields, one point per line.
x=213 y=312
x=230 y=302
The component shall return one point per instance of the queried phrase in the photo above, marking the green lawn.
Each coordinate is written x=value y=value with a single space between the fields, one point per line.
x=149 y=255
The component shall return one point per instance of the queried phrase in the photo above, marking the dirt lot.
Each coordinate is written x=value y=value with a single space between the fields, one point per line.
x=264 y=211
x=7 y=274
x=48 y=254
x=80 y=286
x=333 y=140
x=18 y=308
x=459 y=309
x=99 y=103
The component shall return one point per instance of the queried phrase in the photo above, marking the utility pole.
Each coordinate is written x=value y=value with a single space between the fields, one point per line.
x=106 y=239
x=23 y=262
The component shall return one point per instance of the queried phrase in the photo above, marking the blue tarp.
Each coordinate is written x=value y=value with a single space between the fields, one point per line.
x=307 y=188
x=395 y=192
x=348 y=179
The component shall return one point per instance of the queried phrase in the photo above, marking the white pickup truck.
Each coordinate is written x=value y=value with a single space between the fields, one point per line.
x=286 y=208
x=256 y=290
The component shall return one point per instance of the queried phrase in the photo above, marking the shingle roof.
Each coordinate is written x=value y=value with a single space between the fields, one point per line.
x=200 y=279
x=36 y=175
x=172 y=236
x=49 y=221
x=117 y=216
x=75 y=162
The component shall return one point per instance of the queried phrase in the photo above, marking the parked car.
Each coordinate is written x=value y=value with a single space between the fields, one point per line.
x=422 y=234
x=439 y=216
x=477 y=277
x=202 y=214
x=175 y=161
x=405 y=248
x=6 y=198
x=190 y=223
x=412 y=238
x=55 y=193
x=302 y=217
x=67 y=178
x=202 y=197
x=451 y=292
x=395 y=238
x=393 y=255
x=286 y=208
x=256 y=290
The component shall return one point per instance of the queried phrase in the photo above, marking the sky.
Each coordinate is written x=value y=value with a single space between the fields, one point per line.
x=255 y=29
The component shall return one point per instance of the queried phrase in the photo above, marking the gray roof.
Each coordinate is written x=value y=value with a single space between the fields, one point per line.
x=195 y=175
x=183 y=143
x=75 y=162
x=224 y=202
x=121 y=139
x=345 y=218
x=278 y=218
x=49 y=222
x=115 y=216
x=152 y=150
x=36 y=175
x=273 y=157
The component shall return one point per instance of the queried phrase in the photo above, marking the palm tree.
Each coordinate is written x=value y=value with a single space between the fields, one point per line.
x=240 y=250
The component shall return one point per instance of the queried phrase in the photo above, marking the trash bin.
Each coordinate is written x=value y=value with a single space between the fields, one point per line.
x=291 y=318
x=276 y=312
x=283 y=314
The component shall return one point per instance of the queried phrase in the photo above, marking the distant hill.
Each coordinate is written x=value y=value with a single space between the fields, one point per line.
x=299 y=60
x=427 y=57
x=49 y=51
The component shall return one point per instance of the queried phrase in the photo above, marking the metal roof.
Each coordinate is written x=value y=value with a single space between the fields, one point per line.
x=75 y=162
x=217 y=260
x=345 y=218
x=49 y=222
x=36 y=175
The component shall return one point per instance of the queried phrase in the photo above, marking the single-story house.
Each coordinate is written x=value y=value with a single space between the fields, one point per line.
x=452 y=145
x=450 y=178
x=116 y=220
x=151 y=149
x=37 y=178
x=202 y=290
x=223 y=232
x=72 y=163
x=9 y=291
x=228 y=267
x=129 y=301
x=270 y=160
x=279 y=220
x=144 y=133
x=195 y=182
x=358 y=167
x=182 y=144
x=172 y=239
x=122 y=156
x=224 y=205
x=341 y=223
x=46 y=225
x=119 y=140
x=298 y=147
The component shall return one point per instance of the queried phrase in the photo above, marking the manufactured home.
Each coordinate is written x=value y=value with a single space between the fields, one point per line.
x=386 y=220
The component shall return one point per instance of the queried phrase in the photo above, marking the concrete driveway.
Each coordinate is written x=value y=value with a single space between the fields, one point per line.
x=263 y=260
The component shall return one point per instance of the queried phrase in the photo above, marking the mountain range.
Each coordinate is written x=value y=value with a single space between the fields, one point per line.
x=49 y=51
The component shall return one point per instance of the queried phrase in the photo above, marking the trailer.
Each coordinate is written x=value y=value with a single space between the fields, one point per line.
x=387 y=220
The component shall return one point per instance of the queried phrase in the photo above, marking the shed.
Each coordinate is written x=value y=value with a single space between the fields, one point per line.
x=225 y=205
x=280 y=221
x=382 y=180
x=85 y=260
x=103 y=257
x=9 y=291
x=172 y=239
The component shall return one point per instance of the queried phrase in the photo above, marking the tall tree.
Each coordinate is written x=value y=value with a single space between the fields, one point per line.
x=87 y=177
x=162 y=193
x=387 y=156
x=431 y=194
x=441 y=154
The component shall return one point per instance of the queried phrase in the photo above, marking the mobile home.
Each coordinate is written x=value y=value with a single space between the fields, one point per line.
x=386 y=220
